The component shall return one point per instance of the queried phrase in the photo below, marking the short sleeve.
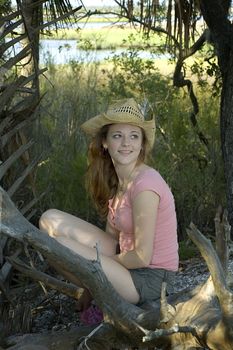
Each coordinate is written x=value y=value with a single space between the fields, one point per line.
x=149 y=180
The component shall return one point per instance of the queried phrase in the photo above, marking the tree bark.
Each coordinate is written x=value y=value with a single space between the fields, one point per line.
x=30 y=16
x=215 y=15
x=226 y=123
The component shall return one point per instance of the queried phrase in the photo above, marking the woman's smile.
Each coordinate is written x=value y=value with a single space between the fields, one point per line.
x=125 y=152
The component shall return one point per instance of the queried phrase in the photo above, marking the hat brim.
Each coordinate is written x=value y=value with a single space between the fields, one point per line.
x=92 y=126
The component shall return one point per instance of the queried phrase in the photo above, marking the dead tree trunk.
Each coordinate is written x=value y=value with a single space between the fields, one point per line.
x=198 y=319
x=215 y=14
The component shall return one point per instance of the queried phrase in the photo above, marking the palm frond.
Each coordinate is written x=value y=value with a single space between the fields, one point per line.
x=54 y=9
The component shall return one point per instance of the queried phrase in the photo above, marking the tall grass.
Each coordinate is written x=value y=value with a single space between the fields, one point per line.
x=107 y=37
x=72 y=94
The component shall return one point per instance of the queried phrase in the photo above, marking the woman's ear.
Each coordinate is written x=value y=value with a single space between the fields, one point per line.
x=104 y=145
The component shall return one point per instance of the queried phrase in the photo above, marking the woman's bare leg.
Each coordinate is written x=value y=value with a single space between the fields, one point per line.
x=117 y=274
x=81 y=237
x=59 y=224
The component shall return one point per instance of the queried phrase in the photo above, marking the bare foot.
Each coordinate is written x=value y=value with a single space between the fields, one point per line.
x=84 y=301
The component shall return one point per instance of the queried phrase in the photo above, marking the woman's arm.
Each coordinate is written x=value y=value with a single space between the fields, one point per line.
x=144 y=209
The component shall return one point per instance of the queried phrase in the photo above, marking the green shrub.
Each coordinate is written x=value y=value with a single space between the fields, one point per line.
x=70 y=101
x=187 y=250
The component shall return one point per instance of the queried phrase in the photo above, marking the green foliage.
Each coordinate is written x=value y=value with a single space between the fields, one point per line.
x=64 y=177
x=194 y=171
x=5 y=6
x=133 y=75
x=187 y=250
x=71 y=100
x=205 y=65
x=108 y=37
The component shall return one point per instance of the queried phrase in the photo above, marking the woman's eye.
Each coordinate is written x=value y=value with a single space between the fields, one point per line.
x=116 y=136
x=132 y=137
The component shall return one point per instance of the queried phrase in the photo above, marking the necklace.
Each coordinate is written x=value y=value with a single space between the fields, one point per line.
x=123 y=187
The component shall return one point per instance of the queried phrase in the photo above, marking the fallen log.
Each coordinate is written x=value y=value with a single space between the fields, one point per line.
x=201 y=318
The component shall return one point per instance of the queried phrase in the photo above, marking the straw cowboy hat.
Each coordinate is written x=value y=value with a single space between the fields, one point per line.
x=123 y=111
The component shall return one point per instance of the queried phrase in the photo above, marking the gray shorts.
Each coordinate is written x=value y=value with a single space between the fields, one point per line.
x=148 y=282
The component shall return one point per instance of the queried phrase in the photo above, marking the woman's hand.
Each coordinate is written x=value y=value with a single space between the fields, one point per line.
x=145 y=207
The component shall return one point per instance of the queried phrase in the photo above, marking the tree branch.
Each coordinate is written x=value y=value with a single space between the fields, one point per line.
x=17 y=58
x=215 y=15
x=63 y=287
x=17 y=154
x=222 y=233
x=14 y=187
x=210 y=256
x=158 y=333
x=114 y=307
x=180 y=81
x=9 y=92
x=136 y=20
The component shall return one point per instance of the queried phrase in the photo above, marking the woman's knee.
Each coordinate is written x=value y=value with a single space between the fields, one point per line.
x=46 y=221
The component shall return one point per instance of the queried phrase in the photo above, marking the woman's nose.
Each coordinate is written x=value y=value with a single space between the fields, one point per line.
x=125 y=141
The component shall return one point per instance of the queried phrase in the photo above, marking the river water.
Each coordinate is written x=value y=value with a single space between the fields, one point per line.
x=65 y=51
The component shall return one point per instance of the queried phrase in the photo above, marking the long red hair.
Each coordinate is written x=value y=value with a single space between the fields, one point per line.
x=101 y=179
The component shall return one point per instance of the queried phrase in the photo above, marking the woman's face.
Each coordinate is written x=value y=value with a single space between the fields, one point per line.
x=124 y=143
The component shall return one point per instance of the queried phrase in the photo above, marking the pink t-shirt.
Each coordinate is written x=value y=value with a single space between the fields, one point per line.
x=165 y=252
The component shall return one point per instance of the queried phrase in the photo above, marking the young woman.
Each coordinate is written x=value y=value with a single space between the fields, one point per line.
x=139 y=247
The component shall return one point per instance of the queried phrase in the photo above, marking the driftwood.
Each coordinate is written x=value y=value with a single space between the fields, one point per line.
x=196 y=319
